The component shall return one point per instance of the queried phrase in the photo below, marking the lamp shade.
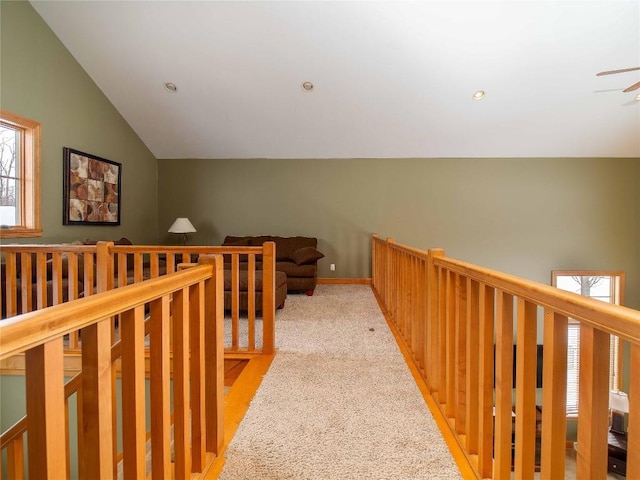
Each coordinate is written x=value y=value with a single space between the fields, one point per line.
x=182 y=225
x=619 y=401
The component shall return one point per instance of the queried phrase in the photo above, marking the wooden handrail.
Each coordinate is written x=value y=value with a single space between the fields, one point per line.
x=454 y=317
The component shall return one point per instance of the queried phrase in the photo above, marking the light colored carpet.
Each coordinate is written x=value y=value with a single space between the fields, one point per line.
x=338 y=402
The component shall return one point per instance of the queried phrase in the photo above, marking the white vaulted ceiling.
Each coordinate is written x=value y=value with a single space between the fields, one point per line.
x=391 y=78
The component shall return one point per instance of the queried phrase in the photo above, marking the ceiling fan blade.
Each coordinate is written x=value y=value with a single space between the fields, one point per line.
x=633 y=87
x=618 y=71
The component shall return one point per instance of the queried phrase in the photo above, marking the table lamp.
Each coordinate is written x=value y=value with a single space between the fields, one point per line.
x=619 y=405
x=182 y=226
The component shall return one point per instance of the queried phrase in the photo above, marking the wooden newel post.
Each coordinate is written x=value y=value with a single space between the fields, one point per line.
x=268 y=297
x=214 y=352
x=433 y=341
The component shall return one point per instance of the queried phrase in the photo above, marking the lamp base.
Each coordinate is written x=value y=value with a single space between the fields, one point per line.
x=617 y=422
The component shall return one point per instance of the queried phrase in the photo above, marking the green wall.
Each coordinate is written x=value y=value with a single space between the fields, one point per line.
x=40 y=80
x=525 y=216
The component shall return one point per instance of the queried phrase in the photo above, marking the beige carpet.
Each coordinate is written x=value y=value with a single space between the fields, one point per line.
x=339 y=401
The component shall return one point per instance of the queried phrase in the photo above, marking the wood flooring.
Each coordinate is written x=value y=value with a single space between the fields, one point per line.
x=244 y=376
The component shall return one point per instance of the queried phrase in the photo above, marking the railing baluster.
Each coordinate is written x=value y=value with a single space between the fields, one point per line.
x=171 y=262
x=88 y=275
x=133 y=394
x=434 y=334
x=473 y=365
x=41 y=280
x=251 y=301
x=442 y=320
x=235 y=300
x=181 y=436
x=593 y=401
x=486 y=376
x=214 y=348
x=121 y=263
x=160 y=384
x=461 y=354
x=56 y=278
x=504 y=387
x=554 y=396
x=525 y=438
x=423 y=339
x=413 y=317
x=25 y=274
x=97 y=400
x=11 y=297
x=196 y=375
x=45 y=404
x=450 y=364
x=72 y=291
x=154 y=264
x=137 y=267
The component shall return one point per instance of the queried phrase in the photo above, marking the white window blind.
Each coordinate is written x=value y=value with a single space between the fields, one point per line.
x=573 y=366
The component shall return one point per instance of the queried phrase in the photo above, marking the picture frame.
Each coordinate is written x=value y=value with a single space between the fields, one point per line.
x=91 y=189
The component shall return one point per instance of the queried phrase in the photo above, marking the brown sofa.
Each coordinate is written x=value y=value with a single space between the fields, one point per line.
x=243 y=297
x=297 y=257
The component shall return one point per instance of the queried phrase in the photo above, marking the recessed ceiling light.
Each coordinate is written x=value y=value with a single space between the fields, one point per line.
x=307 y=86
x=171 y=87
x=479 y=95
x=638 y=97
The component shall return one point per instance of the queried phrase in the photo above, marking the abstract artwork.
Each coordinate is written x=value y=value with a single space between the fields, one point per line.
x=91 y=189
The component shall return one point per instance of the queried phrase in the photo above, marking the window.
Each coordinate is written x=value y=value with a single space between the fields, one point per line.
x=19 y=176
x=603 y=286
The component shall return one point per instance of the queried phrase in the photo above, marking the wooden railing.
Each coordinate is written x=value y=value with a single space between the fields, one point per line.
x=452 y=316
x=36 y=276
x=185 y=404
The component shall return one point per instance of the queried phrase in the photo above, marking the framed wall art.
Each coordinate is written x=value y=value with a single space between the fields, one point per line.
x=91 y=189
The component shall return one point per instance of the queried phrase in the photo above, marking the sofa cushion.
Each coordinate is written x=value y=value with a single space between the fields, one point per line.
x=243 y=280
x=305 y=255
x=286 y=246
x=293 y=270
x=122 y=241
x=258 y=241
x=242 y=242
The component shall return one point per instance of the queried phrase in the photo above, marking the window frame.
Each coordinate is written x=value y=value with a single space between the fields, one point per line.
x=29 y=224
x=616 y=294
